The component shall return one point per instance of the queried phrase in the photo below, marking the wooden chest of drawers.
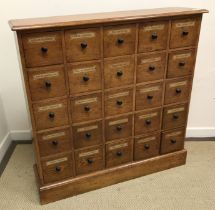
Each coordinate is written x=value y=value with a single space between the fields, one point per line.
x=108 y=95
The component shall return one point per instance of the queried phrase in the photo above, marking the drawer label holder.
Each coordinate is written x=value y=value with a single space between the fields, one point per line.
x=151 y=138
x=84 y=70
x=118 y=121
x=148 y=115
x=46 y=75
x=82 y=35
x=118 y=146
x=84 y=154
x=60 y=160
x=36 y=40
x=153 y=27
x=88 y=128
x=54 y=135
x=170 y=111
x=54 y=106
x=185 y=24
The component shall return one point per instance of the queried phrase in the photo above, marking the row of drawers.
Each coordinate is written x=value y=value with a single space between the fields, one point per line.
x=48 y=82
x=54 y=113
x=45 y=48
x=115 y=153
x=90 y=134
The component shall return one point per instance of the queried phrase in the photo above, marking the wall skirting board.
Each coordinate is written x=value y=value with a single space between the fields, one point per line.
x=4 y=145
x=200 y=132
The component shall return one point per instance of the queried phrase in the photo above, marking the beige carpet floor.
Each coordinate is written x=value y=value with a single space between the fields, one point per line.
x=189 y=187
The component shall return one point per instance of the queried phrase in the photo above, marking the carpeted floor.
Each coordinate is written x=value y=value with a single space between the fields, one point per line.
x=189 y=187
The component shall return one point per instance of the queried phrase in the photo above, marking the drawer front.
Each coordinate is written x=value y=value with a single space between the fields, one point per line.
x=185 y=32
x=172 y=140
x=149 y=96
x=177 y=90
x=51 y=143
x=89 y=160
x=147 y=146
x=83 y=44
x=50 y=114
x=47 y=82
x=181 y=63
x=58 y=168
x=42 y=49
x=119 y=40
x=175 y=116
x=87 y=134
x=147 y=121
x=118 y=101
x=118 y=153
x=84 y=77
x=153 y=36
x=119 y=71
x=118 y=127
x=86 y=108
x=150 y=67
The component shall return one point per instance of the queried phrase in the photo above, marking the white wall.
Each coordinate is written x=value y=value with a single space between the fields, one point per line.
x=202 y=114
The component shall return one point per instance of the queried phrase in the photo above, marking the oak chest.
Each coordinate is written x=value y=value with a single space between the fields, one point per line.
x=108 y=94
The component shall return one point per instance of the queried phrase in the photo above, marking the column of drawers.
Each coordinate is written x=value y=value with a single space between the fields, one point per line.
x=105 y=96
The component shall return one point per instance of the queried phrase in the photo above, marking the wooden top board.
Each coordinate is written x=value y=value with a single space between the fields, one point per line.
x=97 y=18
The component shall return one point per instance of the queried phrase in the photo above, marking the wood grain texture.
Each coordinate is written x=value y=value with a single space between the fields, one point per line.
x=54 y=192
x=98 y=18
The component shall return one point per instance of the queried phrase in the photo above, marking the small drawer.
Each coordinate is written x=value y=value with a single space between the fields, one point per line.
x=58 y=168
x=146 y=146
x=50 y=114
x=51 y=143
x=83 y=44
x=175 y=116
x=153 y=36
x=150 y=67
x=42 y=49
x=118 y=101
x=118 y=153
x=119 y=71
x=89 y=160
x=47 y=82
x=181 y=63
x=177 y=90
x=84 y=77
x=185 y=32
x=119 y=40
x=87 y=134
x=118 y=127
x=85 y=108
x=172 y=140
x=147 y=121
x=149 y=96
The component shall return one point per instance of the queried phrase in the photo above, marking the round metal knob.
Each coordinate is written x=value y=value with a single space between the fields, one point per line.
x=118 y=102
x=184 y=33
x=146 y=146
x=173 y=141
x=119 y=73
x=57 y=168
x=88 y=135
x=86 y=78
x=119 y=153
x=181 y=64
x=55 y=142
x=154 y=36
x=51 y=115
x=178 y=90
x=87 y=108
x=119 y=128
x=148 y=122
x=151 y=68
x=83 y=45
x=48 y=84
x=175 y=116
x=44 y=49
x=150 y=97
x=120 y=41
x=90 y=161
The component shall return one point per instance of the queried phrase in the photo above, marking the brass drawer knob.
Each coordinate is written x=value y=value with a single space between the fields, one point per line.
x=48 y=84
x=119 y=128
x=89 y=161
x=175 y=116
x=119 y=102
x=148 y=122
x=184 y=33
x=55 y=142
x=154 y=36
x=51 y=115
x=151 y=68
x=119 y=73
x=88 y=135
x=120 y=41
x=86 y=78
x=57 y=168
x=149 y=97
x=119 y=153
x=146 y=146
x=178 y=90
x=83 y=45
x=44 y=49
x=87 y=108
x=181 y=64
x=173 y=141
